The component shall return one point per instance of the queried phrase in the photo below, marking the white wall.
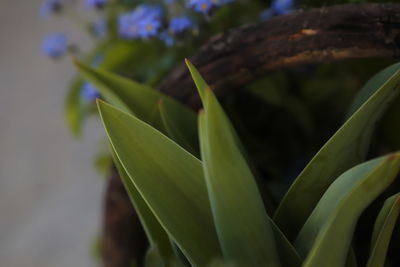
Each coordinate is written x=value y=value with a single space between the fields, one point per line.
x=50 y=194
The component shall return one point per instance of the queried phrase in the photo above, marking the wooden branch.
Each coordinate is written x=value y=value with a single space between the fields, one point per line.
x=240 y=56
x=124 y=241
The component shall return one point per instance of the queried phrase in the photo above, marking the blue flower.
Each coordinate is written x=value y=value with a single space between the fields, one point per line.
x=281 y=7
x=180 y=24
x=100 y=28
x=167 y=39
x=201 y=6
x=89 y=92
x=95 y=3
x=50 y=7
x=143 y=22
x=55 y=45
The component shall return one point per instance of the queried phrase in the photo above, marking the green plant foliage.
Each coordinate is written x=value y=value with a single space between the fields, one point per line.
x=212 y=209
x=169 y=179
x=158 y=238
x=219 y=144
x=326 y=235
x=73 y=107
x=383 y=229
x=143 y=102
x=173 y=128
x=238 y=212
x=347 y=147
x=371 y=86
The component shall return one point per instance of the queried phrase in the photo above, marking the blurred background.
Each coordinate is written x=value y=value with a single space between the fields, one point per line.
x=50 y=194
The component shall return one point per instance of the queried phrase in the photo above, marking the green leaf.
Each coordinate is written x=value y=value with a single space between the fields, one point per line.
x=201 y=84
x=142 y=101
x=73 y=108
x=383 y=230
x=169 y=179
x=153 y=258
x=103 y=163
x=288 y=254
x=371 y=86
x=174 y=131
x=237 y=206
x=345 y=149
x=327 y=234
x=157 y=236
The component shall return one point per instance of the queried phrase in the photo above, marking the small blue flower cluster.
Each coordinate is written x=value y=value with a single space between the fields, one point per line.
x=180 y=24
x=89 y=92
x=147 y=21
x=55 y=45
x=143 y=22
x=206 y=6
x=278 y=7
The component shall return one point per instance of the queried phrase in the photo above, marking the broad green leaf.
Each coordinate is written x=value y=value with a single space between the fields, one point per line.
x=142 y=101
x=370 y=87
x=202 y=86
x=383 y=230
x=169 y=179
x=173 y=130
x=157 y=236
x=327 y=234
x=289 y=256
x=244 y=231
x=345 y=149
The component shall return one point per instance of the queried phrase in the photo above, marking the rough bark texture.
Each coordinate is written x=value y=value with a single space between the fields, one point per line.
x=124 y=240
x=233 y=59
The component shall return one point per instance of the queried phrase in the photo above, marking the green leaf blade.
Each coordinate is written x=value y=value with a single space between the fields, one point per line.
x=157 y=236
x=370 y=87
x=142 y=101
x=383 y=229
x=172 y=127
x=201 y=84
x=326 y=235
x=169 y=179
x=345 y=149
x=74 y=113
x=243 y=228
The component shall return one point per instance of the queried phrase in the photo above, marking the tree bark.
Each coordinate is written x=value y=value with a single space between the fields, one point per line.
x=124 y=241
x=233 y=59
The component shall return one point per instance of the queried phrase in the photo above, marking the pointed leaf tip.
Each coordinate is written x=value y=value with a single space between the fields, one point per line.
x=201 y=84
x=99 y=102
